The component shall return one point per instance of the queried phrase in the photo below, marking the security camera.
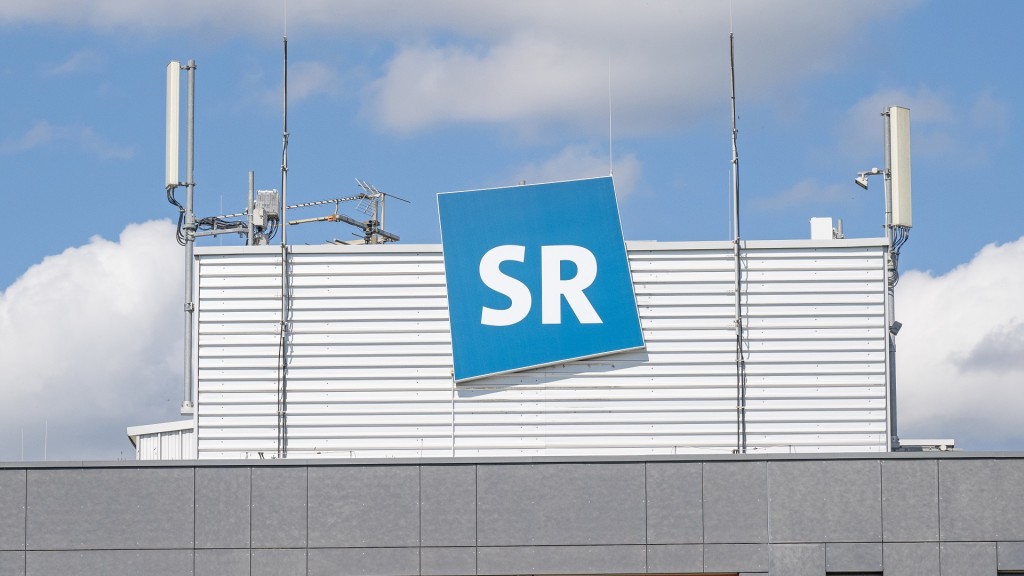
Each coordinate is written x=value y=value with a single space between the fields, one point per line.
x=862 y=177
x=895 y=327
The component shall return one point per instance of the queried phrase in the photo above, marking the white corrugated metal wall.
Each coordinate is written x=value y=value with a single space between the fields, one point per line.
x=369 y=357
x=168 y=441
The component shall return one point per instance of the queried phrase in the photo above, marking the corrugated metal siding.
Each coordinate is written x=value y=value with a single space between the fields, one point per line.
x=166 y=445
x=370 y=358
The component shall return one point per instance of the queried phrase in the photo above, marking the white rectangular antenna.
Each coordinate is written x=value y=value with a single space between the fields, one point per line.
x=173 y=122
x=899 y=158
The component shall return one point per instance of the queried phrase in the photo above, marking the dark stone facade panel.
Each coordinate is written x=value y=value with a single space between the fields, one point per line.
x=222 y=507
x=911 y=559
x=981 y=500
x=560 y=504
x=231 y=562
x=675 y=558
x=109 y=562
x=825 y=501
x=363 y=561
x=364 y=506
x=674 y=507
x=12 y=563
x=448 y=505
x=797 y=559
x=279 y=507
x=735 y=502
x=968 y=558
x=12 y=509
x=448 y=561
x=561 y=560
x=110 y=508
x=278 y=562
x=864 y=557
x=910 y=491
x=736 y=558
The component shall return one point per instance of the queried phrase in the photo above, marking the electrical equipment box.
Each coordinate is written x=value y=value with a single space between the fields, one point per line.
x=269 y=201
x=821 y=229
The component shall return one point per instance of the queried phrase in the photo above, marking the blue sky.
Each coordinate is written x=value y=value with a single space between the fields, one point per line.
x=420 y=97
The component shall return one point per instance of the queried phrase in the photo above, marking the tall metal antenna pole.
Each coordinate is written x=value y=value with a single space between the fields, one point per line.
x=282 y=399
x=741 y=392
x=890 y=285
x=249 y=208
x=284 y=152
x=190 y=235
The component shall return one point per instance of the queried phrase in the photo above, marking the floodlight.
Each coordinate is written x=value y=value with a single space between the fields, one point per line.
x=862 y=177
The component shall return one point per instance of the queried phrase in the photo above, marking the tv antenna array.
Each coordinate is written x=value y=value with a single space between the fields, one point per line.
x=266 y=210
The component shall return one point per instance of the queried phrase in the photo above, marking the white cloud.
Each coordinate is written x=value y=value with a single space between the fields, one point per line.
x=578 y=161
x=39 y=134
x=523 y=80
x=806 y=193
x=81 y=61
x=305 y=79
x=90 y=344
x=526 y=63
x=941 y=126
x=83 y=138
x=961 y=350
x=669 y=63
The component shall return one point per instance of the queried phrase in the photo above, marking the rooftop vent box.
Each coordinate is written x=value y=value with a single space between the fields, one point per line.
x=821 y=229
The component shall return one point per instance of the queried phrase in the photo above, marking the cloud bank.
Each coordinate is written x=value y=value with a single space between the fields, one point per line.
x=579 y=161
x=91 y=343
x=91 y=339
x=960 y=365
x=530 y=65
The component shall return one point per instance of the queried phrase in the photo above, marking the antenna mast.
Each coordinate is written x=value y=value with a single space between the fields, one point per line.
x=282 y=397
x=187 y=224
x=741 y=369
x=284 y=152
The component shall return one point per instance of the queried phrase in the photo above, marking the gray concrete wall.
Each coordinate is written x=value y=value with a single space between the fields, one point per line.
x=903 y=514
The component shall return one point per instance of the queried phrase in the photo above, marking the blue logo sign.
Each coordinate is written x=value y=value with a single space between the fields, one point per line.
x=537 y=275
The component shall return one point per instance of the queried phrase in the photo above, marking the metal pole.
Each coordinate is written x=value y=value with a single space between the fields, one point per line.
x=741 y=392
x=284 y=152
x=249 y=208
x=890 y=269
x=282 y=399
x=190 y=228
x=381 y=225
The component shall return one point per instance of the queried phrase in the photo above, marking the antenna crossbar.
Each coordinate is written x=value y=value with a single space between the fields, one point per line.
x=331 y=201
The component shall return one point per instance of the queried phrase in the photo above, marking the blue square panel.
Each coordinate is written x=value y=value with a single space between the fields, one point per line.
x=537 y=275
